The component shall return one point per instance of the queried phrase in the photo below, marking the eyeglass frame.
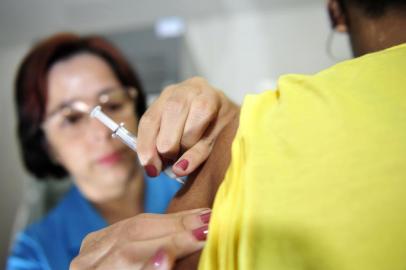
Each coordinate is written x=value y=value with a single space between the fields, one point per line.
x=130 y=91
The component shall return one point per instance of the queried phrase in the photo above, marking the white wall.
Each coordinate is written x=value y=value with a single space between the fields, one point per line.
x=247 y=52
x=239 y=50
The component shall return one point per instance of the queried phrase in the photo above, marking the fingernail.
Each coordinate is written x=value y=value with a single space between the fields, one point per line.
x=183 y=164
x=201 y=233
x=205 y=217
x=158 y=258
x=151 y=171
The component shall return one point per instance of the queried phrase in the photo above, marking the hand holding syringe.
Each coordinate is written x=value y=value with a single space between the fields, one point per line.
x=126 y=137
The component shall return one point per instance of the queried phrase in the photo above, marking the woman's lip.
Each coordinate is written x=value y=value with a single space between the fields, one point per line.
x=110 y=159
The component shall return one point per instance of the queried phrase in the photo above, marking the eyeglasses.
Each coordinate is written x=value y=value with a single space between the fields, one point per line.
x=71 y=119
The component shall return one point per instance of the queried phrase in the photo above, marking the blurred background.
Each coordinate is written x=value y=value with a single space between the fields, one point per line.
x=240 y=46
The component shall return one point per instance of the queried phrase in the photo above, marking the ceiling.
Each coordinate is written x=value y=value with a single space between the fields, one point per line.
x=28 y=20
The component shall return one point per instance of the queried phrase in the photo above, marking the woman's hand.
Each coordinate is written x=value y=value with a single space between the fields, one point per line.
x=146 y=241
x=184 y=121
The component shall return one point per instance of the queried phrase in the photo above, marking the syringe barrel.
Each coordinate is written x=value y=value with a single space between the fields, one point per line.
x=107 y=121
x=126 y=137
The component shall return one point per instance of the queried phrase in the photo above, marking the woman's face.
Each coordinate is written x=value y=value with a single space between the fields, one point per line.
x=101 y=166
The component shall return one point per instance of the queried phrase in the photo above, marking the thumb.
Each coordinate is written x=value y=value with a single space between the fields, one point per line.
x=162 y=260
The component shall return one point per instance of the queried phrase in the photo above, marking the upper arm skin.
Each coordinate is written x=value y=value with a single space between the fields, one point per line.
x=202 y=186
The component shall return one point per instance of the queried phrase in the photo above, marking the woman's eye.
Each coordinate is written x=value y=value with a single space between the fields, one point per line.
x=112 y=107
x=72 y=119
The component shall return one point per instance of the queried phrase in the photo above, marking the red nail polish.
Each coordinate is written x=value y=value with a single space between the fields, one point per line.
x=151 y=171
x=205 y=217
x=201 y=233
x=158 y=258
x=183 y=164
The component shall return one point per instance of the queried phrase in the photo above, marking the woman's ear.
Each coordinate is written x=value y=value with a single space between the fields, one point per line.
x=337 y=15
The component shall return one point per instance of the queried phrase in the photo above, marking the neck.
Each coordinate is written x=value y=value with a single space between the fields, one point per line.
x=375 y=34
x=129 y=204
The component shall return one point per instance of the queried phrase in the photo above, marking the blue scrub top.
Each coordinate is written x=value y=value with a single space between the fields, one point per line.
x=53 y=241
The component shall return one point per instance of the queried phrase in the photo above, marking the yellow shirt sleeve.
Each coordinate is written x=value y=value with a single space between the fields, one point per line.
x=318 y=177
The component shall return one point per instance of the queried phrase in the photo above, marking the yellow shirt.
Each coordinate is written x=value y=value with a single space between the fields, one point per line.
x=318 y=173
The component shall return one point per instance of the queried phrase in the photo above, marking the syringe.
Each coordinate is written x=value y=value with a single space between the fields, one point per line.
x=119 y=131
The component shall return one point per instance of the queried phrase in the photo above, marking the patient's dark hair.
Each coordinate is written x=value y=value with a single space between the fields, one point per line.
x=31 y=93
x=375 y=8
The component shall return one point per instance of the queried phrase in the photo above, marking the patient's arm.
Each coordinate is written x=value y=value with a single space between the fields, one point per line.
x=202 y=186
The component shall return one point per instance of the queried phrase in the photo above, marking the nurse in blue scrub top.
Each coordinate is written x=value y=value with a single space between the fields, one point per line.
x=57 y=139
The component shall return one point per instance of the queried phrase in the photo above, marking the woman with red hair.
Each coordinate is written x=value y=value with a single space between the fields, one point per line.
x=57 y=139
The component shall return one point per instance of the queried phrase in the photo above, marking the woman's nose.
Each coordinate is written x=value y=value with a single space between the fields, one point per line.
x=97 y=132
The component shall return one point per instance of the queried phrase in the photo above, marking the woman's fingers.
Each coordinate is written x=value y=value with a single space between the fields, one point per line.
x=174 y=114
x=128 y=244
x=179 y=244
x=198 y=153
x=193 y=157
x=203 y=111
x=145 y=226
x=184 y=121
x=148 y=129
x=161 y=127
x=149 y=226
x=141 y=227
x=134 y=255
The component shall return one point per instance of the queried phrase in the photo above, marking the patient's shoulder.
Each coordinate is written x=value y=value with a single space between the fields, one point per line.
x=202 y=186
